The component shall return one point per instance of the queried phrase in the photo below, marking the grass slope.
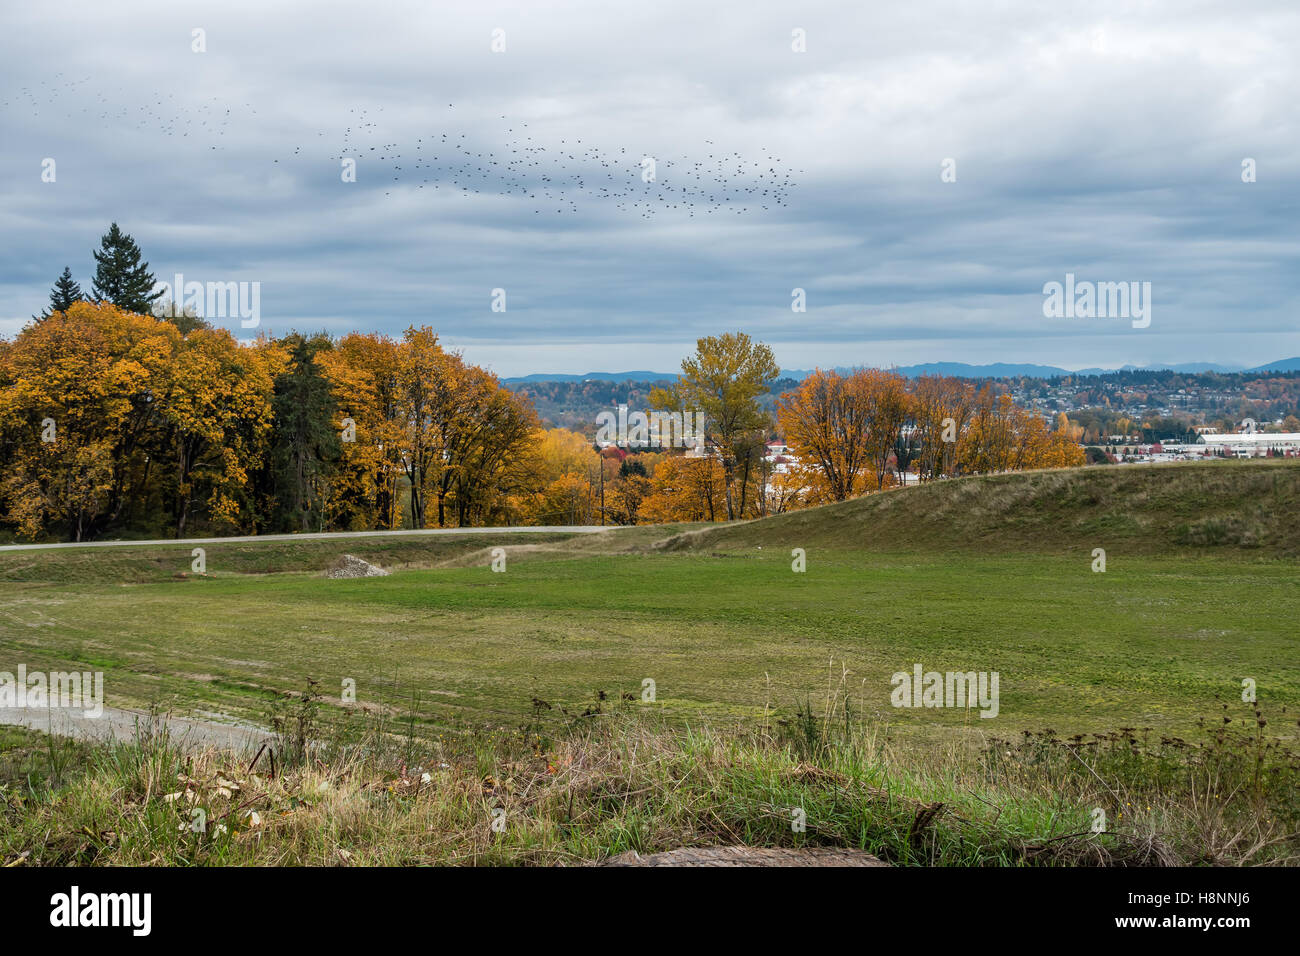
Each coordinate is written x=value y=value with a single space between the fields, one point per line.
x=1247 y=507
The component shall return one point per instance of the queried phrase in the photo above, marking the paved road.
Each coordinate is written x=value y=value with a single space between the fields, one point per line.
x=325 y=535
x=118 y=724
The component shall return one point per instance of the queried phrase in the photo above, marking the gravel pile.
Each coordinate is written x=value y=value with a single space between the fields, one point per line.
x=350 y=566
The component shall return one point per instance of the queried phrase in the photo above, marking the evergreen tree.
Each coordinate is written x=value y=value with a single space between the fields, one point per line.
x=630 y=467
x=304 y=439
x=120 y=277
x=65 y=292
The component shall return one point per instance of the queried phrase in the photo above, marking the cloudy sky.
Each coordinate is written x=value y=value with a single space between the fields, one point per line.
x=1101 y=139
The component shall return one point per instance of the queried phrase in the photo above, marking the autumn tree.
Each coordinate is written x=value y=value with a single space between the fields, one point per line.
x=885 y=395
x=113 y=420
x=826 y=421
x=849 y=427
x=786 y=491
x=685 y=489
x=426 y=390
x=625 y=497
x=724 y=379
x=1002 y=436
x=940 y=411
x=216 y=419
x=488 y=441
x=79 y=394
x=362 y=369
x=565 y=479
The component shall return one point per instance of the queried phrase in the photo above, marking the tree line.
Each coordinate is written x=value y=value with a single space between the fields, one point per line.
x=122 y=416
x=865 y=430
x=847 y=434
x=117 y=423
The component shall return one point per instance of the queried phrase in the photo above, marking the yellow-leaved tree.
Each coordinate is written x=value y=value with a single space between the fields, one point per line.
x=362 y=369
x=79 y=393
x=724 y=380
x=215 y=419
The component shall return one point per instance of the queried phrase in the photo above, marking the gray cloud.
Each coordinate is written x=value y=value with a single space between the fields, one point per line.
x=1088 y=138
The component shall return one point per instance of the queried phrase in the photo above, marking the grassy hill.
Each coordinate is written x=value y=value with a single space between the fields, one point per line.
x=1250 y=507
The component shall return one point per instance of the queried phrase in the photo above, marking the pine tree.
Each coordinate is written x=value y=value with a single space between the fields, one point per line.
x=120 y=277
x=304 y=439
x=631 y=467
x=65 y=292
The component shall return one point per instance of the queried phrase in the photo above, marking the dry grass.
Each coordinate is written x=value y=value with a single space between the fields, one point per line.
x=619 y=782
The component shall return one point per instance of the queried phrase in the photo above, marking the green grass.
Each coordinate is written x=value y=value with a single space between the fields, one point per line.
x=715 y=616
x=28 y=758
x=504 y=676
x=1151 y=642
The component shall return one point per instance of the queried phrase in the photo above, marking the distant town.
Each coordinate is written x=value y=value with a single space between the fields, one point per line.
x=1125 y=416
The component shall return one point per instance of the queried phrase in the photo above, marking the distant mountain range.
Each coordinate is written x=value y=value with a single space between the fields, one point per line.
x=954 y=369
x=1281 y=365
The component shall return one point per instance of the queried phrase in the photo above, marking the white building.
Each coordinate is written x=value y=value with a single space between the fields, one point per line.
x=1252 y=445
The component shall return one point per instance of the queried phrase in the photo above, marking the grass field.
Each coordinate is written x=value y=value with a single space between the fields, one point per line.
x=480 y=692
x=717 y=618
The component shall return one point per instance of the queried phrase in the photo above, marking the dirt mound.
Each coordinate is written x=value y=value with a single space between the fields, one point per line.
x=749 y=856
x=350 y=566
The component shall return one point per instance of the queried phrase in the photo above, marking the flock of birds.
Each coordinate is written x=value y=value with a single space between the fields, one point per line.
x=209 y=121
x=553 y=177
